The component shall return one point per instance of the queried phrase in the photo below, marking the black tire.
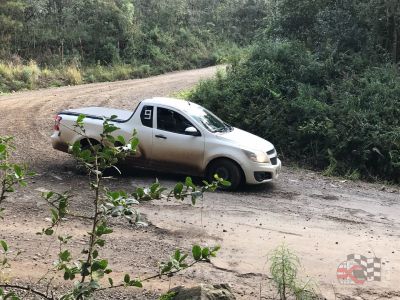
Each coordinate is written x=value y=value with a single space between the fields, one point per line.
x=85 y=145
x=227 y=170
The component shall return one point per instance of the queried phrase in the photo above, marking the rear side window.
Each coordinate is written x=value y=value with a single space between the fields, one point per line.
x=146 y=116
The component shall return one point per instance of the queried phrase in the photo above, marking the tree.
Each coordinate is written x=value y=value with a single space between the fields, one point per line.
x=11 y=24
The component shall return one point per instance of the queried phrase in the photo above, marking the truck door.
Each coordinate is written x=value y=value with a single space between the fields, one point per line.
x=175 y=148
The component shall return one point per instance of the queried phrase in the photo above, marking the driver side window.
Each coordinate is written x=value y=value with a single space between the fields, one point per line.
x=172 y=121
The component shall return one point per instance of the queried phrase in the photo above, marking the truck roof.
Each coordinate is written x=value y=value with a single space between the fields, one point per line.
x=172 y=102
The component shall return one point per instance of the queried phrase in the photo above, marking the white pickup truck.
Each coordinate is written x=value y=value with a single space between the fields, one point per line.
x=178 y=136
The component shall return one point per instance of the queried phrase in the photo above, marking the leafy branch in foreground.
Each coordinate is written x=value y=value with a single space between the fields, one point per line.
x=11 y=174
x=89 y=268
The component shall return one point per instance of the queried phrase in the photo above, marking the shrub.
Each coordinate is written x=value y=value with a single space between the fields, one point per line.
x=284 y=270
x=142 y=71
x=15 y=77
x=310 y=106
x=73 y=75
x=122 y=72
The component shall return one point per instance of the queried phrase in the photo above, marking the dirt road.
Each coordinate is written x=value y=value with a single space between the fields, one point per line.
x=322 y=219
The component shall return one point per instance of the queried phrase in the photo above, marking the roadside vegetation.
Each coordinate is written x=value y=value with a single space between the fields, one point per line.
x=52 y=43
x=322 y=83
x=284 y=270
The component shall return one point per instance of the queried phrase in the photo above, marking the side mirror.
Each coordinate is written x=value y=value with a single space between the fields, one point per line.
x=192 y=131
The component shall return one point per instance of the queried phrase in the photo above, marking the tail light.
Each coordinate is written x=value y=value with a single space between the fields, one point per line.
x=57 y=120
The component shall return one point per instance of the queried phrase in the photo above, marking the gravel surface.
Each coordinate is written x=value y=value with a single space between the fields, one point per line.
x=322 y=219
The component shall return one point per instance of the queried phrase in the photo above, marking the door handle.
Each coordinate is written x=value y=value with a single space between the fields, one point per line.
x=160 y=136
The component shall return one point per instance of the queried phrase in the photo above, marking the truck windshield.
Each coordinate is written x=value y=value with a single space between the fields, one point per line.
x=210 y=121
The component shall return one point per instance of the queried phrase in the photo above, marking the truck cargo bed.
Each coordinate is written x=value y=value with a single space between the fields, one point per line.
x=100 y=113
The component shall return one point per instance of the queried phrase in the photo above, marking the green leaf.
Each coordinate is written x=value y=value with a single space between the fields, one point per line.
x=127 y=278
x=216 y=248
x=65 y=255
x=214 y=251
x=189 y=182
x=80 y=119
x=47 y=195
x=54 y=215
x=85 y=269
x=67 y=274
x=225 y=183
x=196 y=251
x=136 y=283
x=205 y=253
x=121 y=139
x=110 y=281
x=177 y=255
x=49 y=231
x=110 y=129
x=183 y=257
x=5 y=261
x=3 y=148
x=103 y=229
x=17 y=171
x=99 y=265
x=4 y=245
x=154 y=187
x=178 y=188
x=134 y=143
x=166 y=268
x=100 y=242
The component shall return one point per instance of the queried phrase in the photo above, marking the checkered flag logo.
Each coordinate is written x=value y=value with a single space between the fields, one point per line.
x=371 y=267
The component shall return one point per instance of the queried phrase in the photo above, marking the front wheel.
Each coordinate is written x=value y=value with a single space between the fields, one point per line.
x=226 y=169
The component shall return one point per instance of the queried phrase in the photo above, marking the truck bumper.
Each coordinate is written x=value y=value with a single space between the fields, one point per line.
x=258 y=173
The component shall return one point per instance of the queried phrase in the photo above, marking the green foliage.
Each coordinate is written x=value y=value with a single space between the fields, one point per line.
x=118 y=39
x=178 y=262
x=284 y=272
x=368 y=26
x=167 y=296
x=342 y=112
x=11 y=174
x=328 y=97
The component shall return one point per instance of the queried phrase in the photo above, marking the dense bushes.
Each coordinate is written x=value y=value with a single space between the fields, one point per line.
x=340 y=114
x=322 y=83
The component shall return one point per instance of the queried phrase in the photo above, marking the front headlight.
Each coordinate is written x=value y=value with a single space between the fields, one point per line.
x=257 y=156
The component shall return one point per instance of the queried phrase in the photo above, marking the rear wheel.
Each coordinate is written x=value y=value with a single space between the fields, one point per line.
x=86 y=144
x=226 y=169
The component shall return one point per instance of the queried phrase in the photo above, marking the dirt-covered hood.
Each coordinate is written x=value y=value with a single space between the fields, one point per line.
x=246 y=140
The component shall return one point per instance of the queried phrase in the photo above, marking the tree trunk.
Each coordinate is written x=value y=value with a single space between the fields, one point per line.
x=395 y=39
